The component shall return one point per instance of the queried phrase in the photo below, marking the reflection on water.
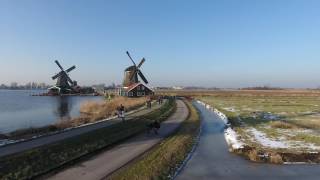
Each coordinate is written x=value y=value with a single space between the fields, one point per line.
x=20 y=110
x=63 y=108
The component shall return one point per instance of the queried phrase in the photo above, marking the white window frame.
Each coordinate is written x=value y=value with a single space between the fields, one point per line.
x=138 y=93
x=130 y=93
x=142 y=87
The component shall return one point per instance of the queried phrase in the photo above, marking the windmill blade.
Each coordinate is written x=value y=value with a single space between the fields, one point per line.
x=142 y=77
x=57 y=62
x=131 y=59
x=70 y=69
x=141 y=62
x=56 y=76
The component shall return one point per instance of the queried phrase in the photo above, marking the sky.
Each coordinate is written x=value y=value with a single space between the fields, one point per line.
x=213 y=43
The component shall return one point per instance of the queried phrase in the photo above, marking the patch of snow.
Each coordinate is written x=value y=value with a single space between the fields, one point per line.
x=233 y=139
x=281 y=142
x=262 y=139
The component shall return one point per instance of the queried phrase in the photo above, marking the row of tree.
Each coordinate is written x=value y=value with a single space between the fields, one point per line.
x=35 y=85
x=29 y=85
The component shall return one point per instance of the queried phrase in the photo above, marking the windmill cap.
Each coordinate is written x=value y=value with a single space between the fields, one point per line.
x=131 y=68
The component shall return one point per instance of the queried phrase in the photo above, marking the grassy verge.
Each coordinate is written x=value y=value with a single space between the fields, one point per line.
x=161 y=162
x=41 y=160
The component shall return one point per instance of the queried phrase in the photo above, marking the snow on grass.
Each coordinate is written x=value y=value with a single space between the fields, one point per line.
x=261 y=138
x=279 y=143
x=232 y=139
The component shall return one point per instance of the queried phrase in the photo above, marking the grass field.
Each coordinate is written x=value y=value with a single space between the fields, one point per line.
x=286 y=121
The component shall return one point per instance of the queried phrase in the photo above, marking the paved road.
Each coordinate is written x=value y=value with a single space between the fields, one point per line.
x=211 y=160
x=22 y=146
x=111 y=160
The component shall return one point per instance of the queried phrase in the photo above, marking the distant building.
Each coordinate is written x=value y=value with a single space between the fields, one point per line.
x=136 y=90
x=177 y=88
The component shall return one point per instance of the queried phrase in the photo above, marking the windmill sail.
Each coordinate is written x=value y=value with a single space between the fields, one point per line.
x=143 y=77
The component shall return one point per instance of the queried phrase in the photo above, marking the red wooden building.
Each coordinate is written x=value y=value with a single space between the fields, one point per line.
x=136 y=90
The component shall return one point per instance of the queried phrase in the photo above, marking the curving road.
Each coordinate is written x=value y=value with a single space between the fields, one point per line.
x=211 y=159
x=105 y=163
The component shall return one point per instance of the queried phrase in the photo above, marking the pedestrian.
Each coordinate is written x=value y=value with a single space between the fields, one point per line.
x=156 y=126
x=149 y=127
x=153 y=126
x=122 y=112
x=118 y=112
x=149 y=103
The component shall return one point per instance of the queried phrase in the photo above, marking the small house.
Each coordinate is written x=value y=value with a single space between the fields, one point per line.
x=136 y=90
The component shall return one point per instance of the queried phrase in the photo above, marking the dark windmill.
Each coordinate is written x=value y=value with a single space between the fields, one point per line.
x=132 y=73
x=132 y=87
x=64 y=83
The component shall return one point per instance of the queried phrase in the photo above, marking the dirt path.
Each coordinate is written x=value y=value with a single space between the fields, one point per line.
x=22 y=146
x=109 y=161
x=211 y=160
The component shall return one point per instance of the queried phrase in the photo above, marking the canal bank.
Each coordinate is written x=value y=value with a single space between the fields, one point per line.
x=212 y=160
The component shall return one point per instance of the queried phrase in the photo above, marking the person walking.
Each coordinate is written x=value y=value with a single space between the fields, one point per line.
x=149 y=103
x=156 y=126
x=122 y=113
x=153 y=126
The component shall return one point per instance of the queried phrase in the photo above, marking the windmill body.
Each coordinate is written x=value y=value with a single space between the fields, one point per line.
x=130 y=77
x=132 y=86
x=62 y=82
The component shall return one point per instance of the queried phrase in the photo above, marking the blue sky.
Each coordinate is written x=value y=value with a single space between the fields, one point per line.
x=228 y=43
